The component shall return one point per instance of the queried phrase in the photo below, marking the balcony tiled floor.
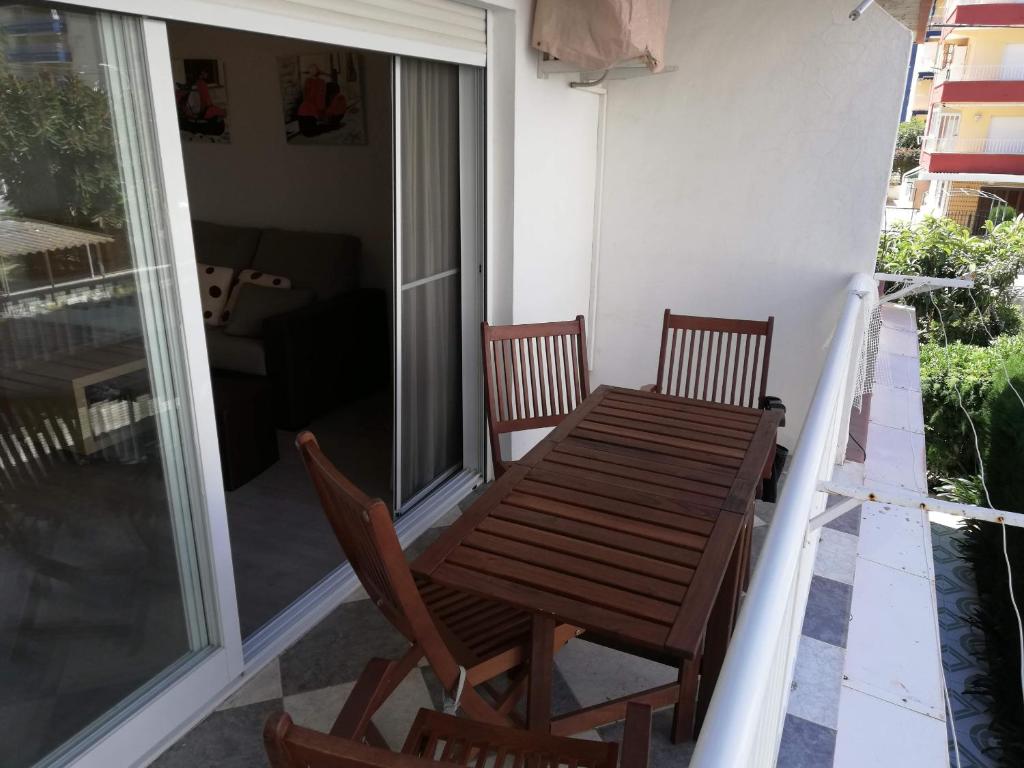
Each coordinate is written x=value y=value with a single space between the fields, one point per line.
x=312 y=679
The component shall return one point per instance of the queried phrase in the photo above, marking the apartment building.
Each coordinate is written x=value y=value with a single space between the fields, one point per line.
x=972 y=156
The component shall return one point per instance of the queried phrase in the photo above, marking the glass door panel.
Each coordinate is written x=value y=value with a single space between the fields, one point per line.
x=430 y=440
x=99 y=579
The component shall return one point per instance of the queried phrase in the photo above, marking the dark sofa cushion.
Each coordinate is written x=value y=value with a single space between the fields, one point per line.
x=258 y=302
x=325 y=263
x=223 y=245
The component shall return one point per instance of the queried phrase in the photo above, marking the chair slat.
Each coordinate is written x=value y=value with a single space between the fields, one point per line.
x=720 y=360
x=534 y=375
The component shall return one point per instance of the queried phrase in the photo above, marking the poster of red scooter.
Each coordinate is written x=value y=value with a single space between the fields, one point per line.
x=202 y=99
x=322 y=98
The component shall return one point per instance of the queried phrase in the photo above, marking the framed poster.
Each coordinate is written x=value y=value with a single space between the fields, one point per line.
x=202 y=98
x=322 y=98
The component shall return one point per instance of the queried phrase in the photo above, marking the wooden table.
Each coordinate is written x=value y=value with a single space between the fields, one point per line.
x=630 y=520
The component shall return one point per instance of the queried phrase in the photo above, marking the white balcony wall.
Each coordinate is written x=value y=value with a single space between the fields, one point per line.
x=556 y=156
x=750 y=182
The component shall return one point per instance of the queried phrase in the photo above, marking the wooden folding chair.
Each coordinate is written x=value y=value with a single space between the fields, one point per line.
x=467 y=640
x=535 y=375
x=436 y=740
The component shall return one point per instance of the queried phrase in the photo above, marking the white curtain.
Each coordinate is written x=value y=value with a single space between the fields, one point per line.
x=431 y=374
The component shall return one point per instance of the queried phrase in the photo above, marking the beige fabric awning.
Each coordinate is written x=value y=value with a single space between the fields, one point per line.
x=598 y=34
x=21 y=237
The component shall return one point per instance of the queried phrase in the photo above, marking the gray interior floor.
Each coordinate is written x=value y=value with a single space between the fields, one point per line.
x=280 y=540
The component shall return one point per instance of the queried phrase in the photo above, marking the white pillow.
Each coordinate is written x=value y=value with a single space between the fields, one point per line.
x=257 y=278
x=214 y=286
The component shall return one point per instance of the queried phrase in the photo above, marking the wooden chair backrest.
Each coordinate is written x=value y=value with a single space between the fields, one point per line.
x=437 y=739
x=713 y=358
x=367 y=535
x=535 y=375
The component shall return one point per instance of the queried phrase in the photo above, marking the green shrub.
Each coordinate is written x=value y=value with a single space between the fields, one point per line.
x=1001 y=213
x=1004 y=457
x=908 y=146
x=977 y=374
x=942 y=248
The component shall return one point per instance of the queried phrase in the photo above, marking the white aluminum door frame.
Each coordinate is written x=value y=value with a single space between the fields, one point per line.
x=470 y=273
x=131 y=732
x=179 y=698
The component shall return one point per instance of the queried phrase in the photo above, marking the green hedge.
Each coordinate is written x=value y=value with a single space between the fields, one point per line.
x=977 y=373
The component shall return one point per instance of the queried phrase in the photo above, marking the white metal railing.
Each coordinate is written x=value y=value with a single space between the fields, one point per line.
x=964 y=72
x=743 y=726
x=956 y=144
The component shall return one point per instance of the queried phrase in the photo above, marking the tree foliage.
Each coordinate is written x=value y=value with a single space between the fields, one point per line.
x=942 y=248
x=57 y=155
x=908 y=146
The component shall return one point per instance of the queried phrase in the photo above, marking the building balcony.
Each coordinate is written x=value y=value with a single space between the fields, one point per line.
x=953 y=154
x=979 y=83
x=979 y=12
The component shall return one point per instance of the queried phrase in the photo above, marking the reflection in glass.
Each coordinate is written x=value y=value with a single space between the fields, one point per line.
x=98 y=576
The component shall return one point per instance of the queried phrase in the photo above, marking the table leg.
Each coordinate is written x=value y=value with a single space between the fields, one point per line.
x=686 y=707
x=720 y=625
x=538 y=705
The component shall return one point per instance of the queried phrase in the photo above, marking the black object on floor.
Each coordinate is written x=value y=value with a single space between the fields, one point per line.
x=244 y=407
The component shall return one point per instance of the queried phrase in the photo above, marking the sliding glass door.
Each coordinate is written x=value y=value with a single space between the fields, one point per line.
x=436 y=246
x=100 y=577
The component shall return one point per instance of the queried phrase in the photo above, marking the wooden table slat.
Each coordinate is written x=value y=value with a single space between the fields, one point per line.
x=702 y=493
x=554 y=582
x=620 y=440
x=726 y=413
x=602 y=520
x=658 y=462
x=559 y=543
x=691 y=518
x=586 y=616
x=548 y=480
x=730 y=457
x=601 y=573
x=595 y=535
x=697 y=421
x=692 y=437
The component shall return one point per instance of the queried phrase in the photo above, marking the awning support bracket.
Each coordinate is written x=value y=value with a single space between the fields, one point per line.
x=914 y=284
x=857 y=494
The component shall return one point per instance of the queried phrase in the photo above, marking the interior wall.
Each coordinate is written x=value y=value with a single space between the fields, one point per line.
x=258 y=179
x=556 y=136
x=750 y=182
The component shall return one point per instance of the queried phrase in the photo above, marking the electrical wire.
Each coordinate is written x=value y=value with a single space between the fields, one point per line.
x=984 y=486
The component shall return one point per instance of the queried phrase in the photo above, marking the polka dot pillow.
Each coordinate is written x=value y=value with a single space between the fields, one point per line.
x=214 y=286
x=257 y=278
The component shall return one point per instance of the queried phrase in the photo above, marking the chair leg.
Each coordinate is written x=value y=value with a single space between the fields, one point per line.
x=377 y=681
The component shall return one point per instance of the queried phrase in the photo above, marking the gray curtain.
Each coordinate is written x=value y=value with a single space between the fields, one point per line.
x=431 y=377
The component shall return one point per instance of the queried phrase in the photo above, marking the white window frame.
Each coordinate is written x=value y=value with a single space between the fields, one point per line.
x=153 y=718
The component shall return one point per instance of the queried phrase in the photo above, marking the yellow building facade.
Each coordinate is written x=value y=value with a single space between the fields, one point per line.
x=973 y=151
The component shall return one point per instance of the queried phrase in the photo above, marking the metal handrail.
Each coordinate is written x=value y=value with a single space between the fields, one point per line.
x=743 y=726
